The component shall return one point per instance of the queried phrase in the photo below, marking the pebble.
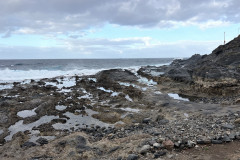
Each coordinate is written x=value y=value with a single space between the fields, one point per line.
x=157 y=145
x=217 y=141
x=28 y=145
x=190 y=144
x=226 y=139
x=132 y=157
x=237 y=121
x=168 y=144
x=227 y=126
x=146 y=120
x=159 y=154
x=145 y=149
x=42 y=141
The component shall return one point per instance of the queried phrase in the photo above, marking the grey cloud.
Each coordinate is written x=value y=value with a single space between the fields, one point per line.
x=122 y=50
x=67 y=16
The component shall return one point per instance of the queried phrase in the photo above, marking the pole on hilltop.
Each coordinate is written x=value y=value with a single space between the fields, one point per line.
x=224 y=39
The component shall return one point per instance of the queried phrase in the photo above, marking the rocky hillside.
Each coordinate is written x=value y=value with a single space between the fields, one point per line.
x=213 y=75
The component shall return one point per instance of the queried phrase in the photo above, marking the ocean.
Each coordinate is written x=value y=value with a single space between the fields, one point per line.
x=19 y=70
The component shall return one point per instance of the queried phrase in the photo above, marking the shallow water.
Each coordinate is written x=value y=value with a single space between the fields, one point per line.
x=19 y=70
x=19 y=126
x=6 y=86
x=60 y=107
x=79 y=121
x=27 y=113
x=130 y=110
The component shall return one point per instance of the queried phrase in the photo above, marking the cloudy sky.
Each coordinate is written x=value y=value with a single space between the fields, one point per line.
x=115 y=28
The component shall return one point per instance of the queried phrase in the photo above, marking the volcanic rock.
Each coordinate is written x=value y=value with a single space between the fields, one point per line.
x=208 y=76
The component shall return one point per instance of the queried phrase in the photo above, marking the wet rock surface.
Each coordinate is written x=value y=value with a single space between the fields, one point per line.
x=115 y=114
x=210 y=78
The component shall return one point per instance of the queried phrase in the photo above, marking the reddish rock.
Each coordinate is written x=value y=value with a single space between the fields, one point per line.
x=168 y=144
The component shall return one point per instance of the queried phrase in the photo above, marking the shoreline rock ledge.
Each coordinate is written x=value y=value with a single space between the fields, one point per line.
x=214 y=77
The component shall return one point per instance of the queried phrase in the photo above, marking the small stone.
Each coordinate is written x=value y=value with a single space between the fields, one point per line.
x=42 y=141
x=191 y=144
x=159 y=154
x=214 y=141
x=227 y=126
x=159 y=117
x=28 y=145
x=146 y=120
x=160 y=139
x=132 y=157
x=119 y=158
x=170 y=156
x=237 y=122
x=168 y=144
x=157 y=145
x=81 y=141
x=145 y=149
x=151 y=142
x=163 y=122
x=177 y=144
x=226 y=139
x=232 y=136
x=203 y=141
x=156 y=133
x=164 y=104
x=113 y=149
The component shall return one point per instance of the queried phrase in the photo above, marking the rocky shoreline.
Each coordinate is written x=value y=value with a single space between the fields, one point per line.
x=152 y=113
x=212 y=78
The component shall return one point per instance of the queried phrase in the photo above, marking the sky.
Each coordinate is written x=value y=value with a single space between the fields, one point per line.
x=66 y=29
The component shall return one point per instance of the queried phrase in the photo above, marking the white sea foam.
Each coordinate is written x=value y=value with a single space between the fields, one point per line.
x=130 y=84
x=176 y=96
x=6 y=86
x=147 y=82
x=105 y=90
x=8 y=75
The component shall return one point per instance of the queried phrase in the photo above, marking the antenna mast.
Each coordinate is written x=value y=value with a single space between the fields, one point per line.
x=224 y=39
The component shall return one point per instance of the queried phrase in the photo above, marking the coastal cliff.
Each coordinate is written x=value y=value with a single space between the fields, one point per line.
x=203 y=76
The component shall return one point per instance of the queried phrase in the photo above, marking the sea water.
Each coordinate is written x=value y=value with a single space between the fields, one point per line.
x=19 y=70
